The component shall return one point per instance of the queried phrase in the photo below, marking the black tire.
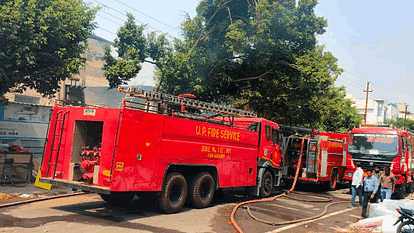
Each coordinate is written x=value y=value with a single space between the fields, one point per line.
x=407 y=226
x=289 y=183
x=173 y=194
x=333 y=181
x=219 y=194
x=266 y=187
x=201 y=190
x=409 y=187
x=19 y=176
x=118 y=198
x=400 y=191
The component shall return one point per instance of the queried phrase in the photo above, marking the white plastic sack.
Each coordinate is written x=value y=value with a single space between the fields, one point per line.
x=387 y=207
x=383 y=215
x=381 y=223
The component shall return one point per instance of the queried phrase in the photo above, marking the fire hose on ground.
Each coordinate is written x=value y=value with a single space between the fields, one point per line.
x=285 y=194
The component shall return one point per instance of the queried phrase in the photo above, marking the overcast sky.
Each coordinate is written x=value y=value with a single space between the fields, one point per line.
x=371 y=39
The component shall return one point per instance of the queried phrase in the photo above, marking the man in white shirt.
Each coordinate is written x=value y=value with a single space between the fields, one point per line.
x=356 y=186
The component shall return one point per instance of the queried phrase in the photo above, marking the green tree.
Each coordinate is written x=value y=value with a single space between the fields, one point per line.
x=257 y=55
x=134 y=48
x=401 y=123
x=41 y=42
x=336 y=112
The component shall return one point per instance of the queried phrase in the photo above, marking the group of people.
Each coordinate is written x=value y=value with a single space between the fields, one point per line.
x=377 y=184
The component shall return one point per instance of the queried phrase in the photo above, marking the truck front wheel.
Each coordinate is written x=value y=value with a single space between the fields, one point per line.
x=173 y=194
x=201 y=191
x=267 y=184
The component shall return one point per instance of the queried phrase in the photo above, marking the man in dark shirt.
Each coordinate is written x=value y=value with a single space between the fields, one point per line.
x=387 y=183
x=378 y=173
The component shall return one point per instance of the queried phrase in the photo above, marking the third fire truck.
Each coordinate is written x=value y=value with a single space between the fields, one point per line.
x=382 y=146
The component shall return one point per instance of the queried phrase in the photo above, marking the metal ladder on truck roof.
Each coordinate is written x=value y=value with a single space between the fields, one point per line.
x=59 y=136
x=196 y=104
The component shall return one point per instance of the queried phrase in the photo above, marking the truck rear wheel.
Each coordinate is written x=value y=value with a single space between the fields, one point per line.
x=201 y=190
x=173 y=194
x=118 y=198
x=266 y=186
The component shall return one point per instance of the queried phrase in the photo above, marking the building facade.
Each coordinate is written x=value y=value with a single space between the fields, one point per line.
x=24 y=117
x=24 y=125
x=376 y=109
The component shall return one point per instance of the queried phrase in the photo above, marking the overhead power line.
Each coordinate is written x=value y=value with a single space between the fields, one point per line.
x=358 y=76
x=352 y=80
x=156 y=30
x=106 y=30
x=109 y=20
x=123 y=15
x=146 y=15
x=116 y=17
x=377 y=87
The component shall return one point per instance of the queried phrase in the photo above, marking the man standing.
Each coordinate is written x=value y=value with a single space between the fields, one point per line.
x=370 y=189
x=387 y=183
x=356 y=186
x=378 y=173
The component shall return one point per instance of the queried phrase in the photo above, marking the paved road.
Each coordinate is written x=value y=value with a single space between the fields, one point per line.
x=88 y=213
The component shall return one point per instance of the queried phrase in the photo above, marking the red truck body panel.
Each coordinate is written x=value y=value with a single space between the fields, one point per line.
x=137 y=147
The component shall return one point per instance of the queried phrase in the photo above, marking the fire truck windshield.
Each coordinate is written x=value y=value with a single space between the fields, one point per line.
x=374 y=144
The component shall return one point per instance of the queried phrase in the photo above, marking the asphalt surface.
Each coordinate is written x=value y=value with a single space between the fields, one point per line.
x=89 y=213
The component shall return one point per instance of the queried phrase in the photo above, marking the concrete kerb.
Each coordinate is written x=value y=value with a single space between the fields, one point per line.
x=10 y=195
x=20 y=202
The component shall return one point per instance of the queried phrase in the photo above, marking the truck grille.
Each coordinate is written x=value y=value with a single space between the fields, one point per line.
x=367 y=163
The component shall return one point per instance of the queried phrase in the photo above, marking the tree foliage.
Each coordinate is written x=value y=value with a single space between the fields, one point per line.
x=401 y=123
x=41 y=42
x=133 y=48
x=257 y=55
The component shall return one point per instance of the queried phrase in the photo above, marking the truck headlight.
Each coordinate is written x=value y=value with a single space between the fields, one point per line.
x=349 y=174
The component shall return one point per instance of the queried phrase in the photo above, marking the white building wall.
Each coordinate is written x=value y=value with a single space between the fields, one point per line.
x=376 y=109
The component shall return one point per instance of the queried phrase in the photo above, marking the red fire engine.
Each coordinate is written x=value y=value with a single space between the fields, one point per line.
x=383 y=146
x=323 y=157
x=178 y=149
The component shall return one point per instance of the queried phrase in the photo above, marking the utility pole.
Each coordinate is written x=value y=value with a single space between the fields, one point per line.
x=366 y=103
x=405 y=115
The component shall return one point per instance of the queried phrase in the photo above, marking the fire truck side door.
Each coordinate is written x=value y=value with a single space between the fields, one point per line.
x=311 y=161
x=270 y=142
